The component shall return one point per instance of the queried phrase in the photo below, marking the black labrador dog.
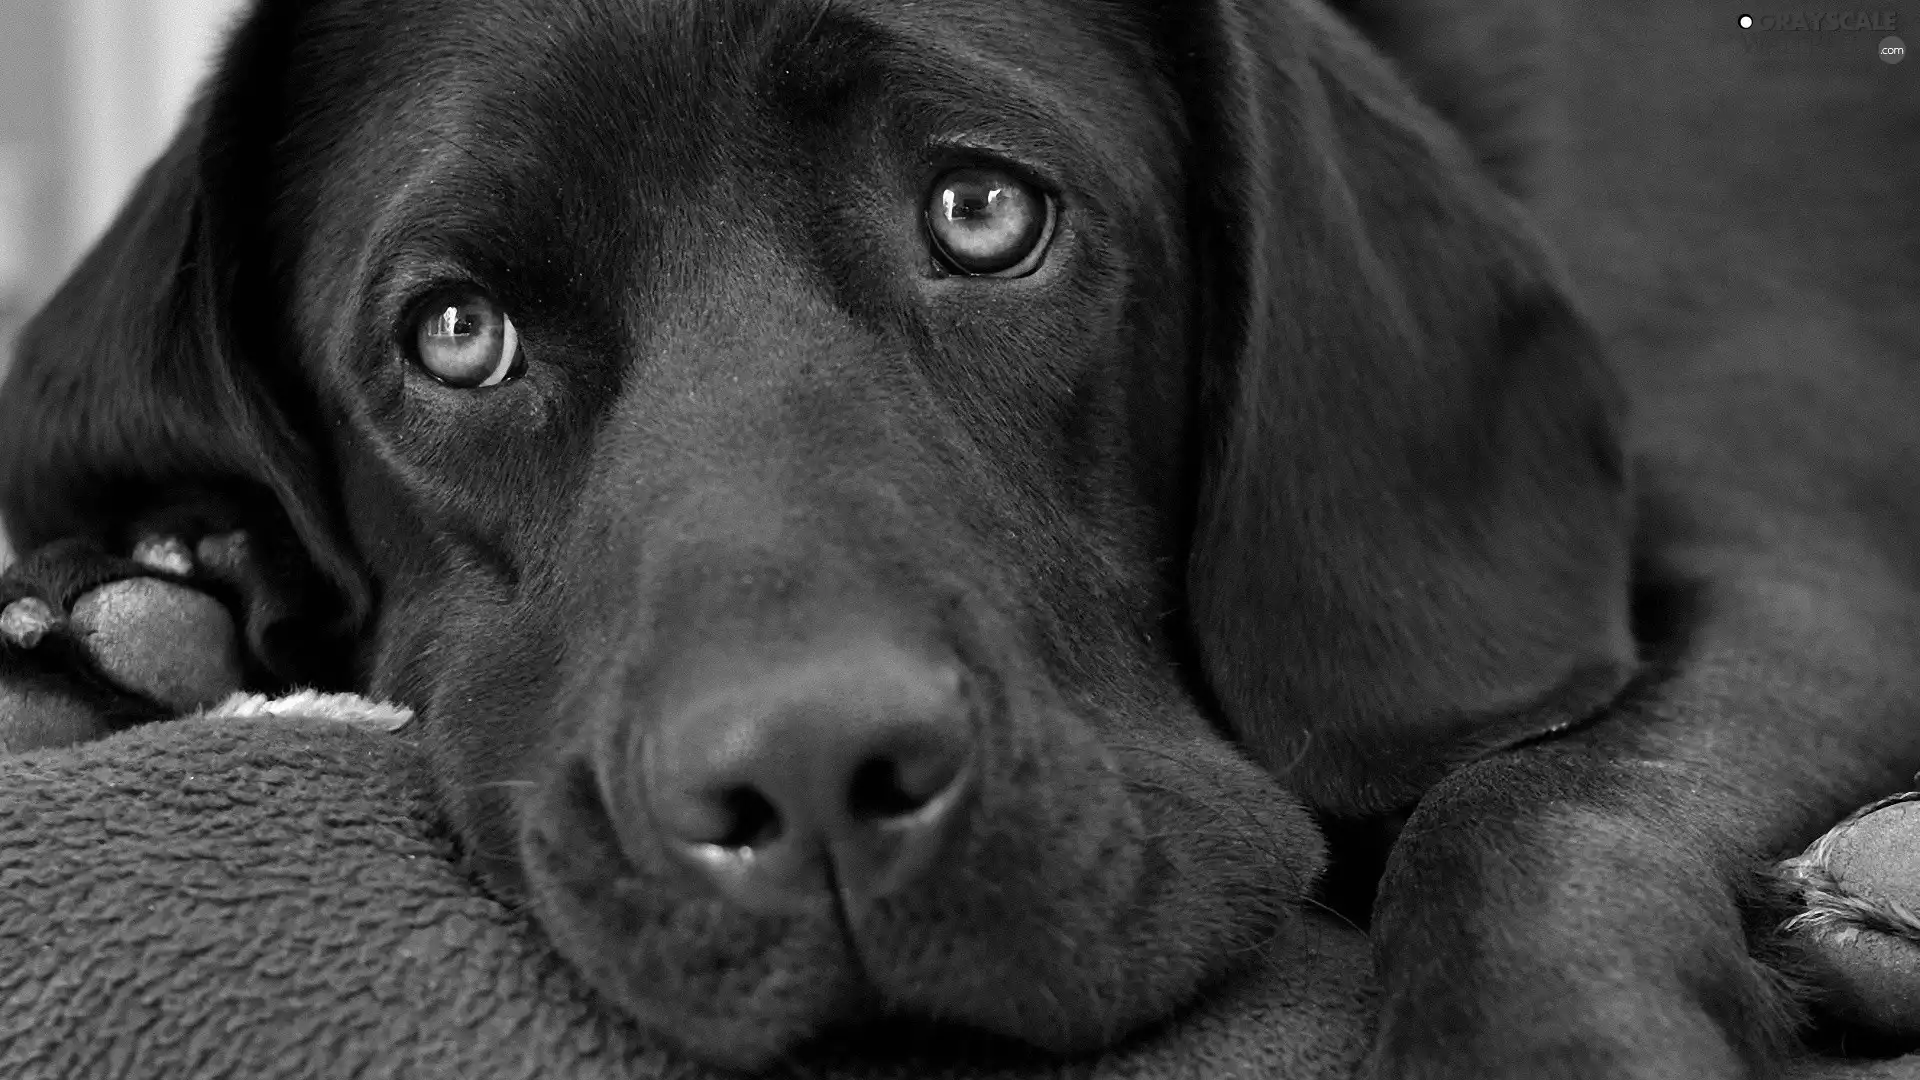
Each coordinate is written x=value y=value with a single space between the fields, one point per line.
x=924 y=510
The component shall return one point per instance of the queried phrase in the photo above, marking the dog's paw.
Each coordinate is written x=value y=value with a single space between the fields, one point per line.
x=92 y=643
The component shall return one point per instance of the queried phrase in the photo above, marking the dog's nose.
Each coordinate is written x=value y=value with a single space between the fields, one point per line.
x=839 y=771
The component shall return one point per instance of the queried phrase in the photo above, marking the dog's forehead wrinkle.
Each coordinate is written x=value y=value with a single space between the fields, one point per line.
x=642 y=77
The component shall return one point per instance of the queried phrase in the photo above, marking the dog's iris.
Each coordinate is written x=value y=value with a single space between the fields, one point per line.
x=466 y=341
x=989 y=222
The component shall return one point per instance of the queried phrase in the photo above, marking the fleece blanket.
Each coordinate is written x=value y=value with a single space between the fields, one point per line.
x=273 y=897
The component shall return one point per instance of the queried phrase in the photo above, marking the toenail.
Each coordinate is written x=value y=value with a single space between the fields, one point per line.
x=25 y=622
x=227 y=552
x=166 y=553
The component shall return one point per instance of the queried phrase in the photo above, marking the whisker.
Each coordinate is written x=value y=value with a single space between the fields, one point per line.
x=510 y=785
x=819 y=17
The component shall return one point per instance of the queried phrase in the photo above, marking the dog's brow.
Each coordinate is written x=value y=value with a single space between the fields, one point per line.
x=968 y=98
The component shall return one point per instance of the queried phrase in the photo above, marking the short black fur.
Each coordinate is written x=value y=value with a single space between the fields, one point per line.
x=1328 y=468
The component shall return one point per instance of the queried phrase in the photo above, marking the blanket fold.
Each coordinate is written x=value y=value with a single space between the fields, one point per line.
x=275 y=898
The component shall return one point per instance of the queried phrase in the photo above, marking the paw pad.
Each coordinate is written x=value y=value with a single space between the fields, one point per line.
x=1859 y=887
x=164 y=641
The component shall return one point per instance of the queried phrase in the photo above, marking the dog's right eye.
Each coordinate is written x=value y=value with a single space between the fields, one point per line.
x=989 y=223
x=466 y=341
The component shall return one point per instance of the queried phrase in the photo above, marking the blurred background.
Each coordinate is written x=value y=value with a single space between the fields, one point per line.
x=90 y=91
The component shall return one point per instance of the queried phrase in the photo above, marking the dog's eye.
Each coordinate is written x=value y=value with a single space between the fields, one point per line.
x=466 y=341
x=989 y=223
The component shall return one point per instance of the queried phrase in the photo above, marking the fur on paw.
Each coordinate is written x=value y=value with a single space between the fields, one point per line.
x=1859 y=923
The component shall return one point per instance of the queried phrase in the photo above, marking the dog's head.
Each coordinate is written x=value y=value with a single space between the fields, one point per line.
x=877 y=505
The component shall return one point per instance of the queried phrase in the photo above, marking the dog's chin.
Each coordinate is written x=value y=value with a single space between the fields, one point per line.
x=1094 y=892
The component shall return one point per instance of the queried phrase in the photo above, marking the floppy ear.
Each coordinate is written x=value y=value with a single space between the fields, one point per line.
x=147 y=389
x=1489 y=68
x=1412 y=542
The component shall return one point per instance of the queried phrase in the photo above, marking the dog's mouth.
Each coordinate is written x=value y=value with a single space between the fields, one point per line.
x=755 y=807
x=1086 y=891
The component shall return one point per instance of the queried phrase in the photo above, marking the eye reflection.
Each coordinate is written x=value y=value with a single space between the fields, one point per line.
x=466 y=341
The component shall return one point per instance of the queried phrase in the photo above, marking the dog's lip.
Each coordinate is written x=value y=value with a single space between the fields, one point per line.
x=867 y=987
x=858 y=958
x=578 y=912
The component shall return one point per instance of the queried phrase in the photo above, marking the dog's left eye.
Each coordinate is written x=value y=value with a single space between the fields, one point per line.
x=466 y=341
x=989 y=223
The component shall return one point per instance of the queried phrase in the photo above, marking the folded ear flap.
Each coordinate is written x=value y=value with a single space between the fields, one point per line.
x=146 y=390
x=1413 y=537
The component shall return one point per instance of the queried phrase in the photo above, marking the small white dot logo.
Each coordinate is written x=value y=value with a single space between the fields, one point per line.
x=1892 y=50
x=1746 y=22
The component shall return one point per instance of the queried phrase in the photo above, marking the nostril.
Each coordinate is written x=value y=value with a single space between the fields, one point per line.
x=848 y=767
x=883 y=788
x=736 y=815
x=749 y=820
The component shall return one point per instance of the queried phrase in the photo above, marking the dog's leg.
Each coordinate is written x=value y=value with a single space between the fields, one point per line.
x=1574 y=908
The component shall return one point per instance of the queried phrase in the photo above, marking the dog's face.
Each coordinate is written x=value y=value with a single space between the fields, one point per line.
x=782 y=542
x=834 y=475
x=783 y=546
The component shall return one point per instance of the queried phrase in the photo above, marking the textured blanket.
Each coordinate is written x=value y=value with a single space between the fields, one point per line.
x=275 y=898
